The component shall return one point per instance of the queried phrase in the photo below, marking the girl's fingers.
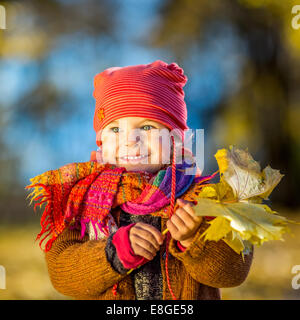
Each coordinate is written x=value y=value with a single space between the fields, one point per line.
x=159 y=238
x=172 y=228
x=179 y=223
x=145 y=235
x=188 y=207
x=138 y=250
x=146 y=245
x=186 y=217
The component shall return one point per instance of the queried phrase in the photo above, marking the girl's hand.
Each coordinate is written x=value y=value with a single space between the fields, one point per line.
x=145 y=240
x=184 y=224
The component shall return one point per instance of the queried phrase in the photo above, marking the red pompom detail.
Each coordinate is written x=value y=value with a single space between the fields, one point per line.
x=174 y=67
x=179 y=77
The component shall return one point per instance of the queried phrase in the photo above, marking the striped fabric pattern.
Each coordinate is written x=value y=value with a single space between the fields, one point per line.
x=153 y=91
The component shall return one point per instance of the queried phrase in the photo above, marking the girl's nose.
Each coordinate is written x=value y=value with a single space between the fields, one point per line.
x=130 y=143
x=132 y=140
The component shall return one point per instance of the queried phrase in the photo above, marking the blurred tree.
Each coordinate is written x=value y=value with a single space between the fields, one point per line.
x=35 y=29
x=263 y=113
x=8 y=162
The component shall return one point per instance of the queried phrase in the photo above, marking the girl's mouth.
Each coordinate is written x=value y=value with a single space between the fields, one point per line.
x=133 y=159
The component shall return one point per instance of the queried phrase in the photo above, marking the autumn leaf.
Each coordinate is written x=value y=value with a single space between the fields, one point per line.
x=249 y=221
x=219 y=229
x=241 y=219
x=243 y=174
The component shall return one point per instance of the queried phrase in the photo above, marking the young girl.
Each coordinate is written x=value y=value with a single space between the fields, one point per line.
x=107 y=217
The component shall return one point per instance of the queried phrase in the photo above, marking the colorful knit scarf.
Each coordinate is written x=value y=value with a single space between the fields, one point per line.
x=84 y=193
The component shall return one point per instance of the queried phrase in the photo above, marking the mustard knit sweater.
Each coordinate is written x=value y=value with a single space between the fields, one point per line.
x=79 y=268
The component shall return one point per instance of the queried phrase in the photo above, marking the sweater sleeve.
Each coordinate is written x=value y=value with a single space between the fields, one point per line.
x=213 y=263
x=112 y=255
x=79 y=267
x=180 y=246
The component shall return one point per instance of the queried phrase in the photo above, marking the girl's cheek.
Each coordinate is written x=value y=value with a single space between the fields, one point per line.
x=104 y=155
x=109 y=144
x=108 y=154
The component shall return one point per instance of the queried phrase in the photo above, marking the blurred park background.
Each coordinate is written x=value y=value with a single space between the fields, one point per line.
x=242 y=59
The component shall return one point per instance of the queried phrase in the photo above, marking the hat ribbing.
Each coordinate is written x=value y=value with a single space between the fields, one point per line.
x=153 y=91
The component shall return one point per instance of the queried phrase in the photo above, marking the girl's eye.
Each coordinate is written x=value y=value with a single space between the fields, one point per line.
x=115 y=129
x=147 y=127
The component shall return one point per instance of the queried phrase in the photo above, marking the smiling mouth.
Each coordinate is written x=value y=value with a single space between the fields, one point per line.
x=133 y=158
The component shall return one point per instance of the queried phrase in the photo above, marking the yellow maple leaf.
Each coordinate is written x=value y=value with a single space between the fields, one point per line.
x=250 y=221
x=243 y=174
x=241 y=219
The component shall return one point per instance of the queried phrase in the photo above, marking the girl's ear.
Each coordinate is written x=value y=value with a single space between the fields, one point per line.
x=98 y=155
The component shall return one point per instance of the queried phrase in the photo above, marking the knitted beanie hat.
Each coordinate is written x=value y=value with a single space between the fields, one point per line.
x=153 y=91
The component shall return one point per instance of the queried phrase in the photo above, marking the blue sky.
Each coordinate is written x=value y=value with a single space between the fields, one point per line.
x=212 y=71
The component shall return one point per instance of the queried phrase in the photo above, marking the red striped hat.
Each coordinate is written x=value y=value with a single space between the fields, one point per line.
x=153 y=91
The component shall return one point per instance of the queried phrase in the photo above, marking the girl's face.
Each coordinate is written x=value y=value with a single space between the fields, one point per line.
x=137 y=144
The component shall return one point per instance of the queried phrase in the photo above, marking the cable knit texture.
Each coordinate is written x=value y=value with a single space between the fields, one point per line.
x=79 y=268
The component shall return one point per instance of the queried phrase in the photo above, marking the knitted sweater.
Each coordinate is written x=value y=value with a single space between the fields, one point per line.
x=83 y=268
